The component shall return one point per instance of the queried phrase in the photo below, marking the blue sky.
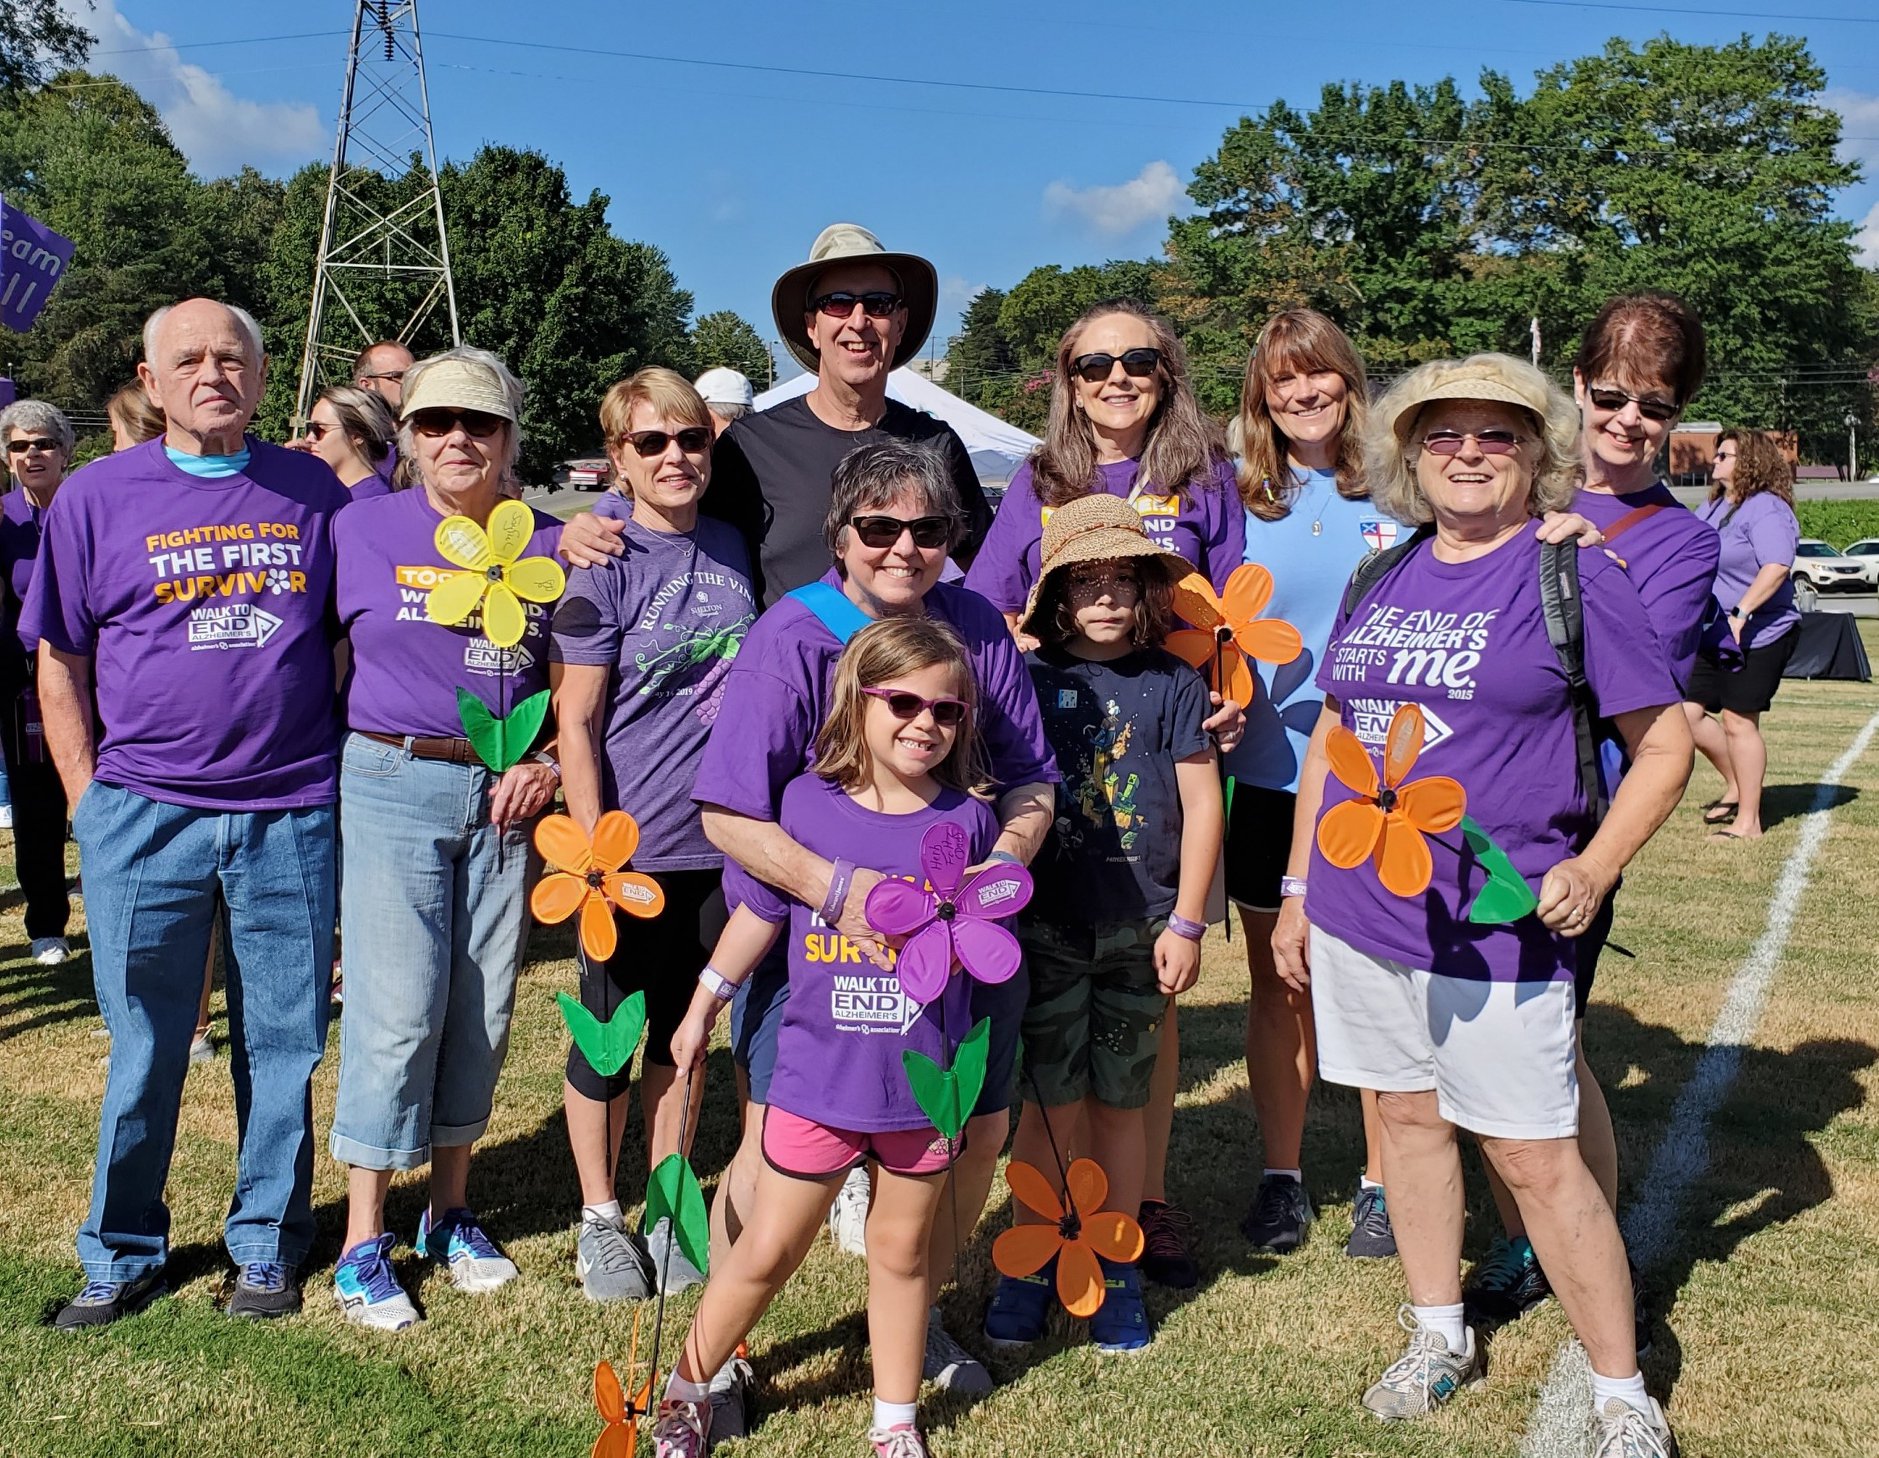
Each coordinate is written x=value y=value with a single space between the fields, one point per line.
x=733 y=171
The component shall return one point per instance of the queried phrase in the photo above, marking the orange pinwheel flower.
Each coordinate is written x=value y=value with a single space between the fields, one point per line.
x=1228 y=630
x=1388 y=819
x=1083 y=1231
x=587 y=877
x=619 y=1435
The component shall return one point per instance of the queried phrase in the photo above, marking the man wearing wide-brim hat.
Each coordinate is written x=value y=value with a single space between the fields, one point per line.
x=852 y=313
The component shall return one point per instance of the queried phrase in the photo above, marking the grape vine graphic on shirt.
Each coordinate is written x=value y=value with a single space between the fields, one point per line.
x=688 y=637
x=215 y=563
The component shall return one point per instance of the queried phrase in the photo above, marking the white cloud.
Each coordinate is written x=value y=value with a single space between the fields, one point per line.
x=1147 y=197
x=216 y=130
x=1866 y=240
x=1859 y=123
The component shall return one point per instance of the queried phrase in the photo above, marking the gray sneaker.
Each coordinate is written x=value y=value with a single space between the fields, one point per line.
x=610 y=1262
x=730 y=1390
x=670 y=1270
x=1623 y=1431
x=1426 y=1375
x=950 y=1366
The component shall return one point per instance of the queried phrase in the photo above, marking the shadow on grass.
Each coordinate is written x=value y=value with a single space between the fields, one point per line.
x=33 y=996
x=1789 y=802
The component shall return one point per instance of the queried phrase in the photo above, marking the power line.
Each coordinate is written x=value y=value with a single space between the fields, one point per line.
x=248 y=40
x=1688 y=10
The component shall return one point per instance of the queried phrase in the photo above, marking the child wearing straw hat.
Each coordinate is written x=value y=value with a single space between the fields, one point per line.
x=1113 y=931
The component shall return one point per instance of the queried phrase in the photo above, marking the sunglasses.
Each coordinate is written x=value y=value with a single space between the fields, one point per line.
x=1138 y=364
x=928 y=532
x=479 y=424
x=37 y=443
x=384 y=375
x=1490 y=442
x=876 y=304
x=1614 y=400
x=318 y=430
x=694 y=440
x=904 y=705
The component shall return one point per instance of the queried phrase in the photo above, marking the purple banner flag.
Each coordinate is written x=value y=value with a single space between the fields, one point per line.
x=33 y=259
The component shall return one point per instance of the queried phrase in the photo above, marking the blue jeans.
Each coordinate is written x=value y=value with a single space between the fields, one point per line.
x=152 y=875
x=435 y=906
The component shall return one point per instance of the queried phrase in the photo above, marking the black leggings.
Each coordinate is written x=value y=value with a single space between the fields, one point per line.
x=38 y=841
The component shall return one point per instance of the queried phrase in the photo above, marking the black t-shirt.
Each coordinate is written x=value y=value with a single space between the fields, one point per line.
x=1117 y=729
x=770 y=475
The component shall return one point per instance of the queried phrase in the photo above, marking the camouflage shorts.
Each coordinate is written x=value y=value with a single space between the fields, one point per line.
x=1094 y=1018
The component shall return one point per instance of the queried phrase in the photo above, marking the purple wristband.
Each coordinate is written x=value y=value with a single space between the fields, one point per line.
x=1182 y=927
x=839 y=877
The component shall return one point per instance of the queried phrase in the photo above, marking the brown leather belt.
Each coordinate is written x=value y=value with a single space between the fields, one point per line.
x=455 y=751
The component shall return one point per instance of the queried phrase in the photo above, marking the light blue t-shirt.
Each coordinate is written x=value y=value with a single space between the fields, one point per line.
x=1309 y=574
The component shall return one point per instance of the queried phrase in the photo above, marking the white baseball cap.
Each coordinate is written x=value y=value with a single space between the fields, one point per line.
x=724 y=387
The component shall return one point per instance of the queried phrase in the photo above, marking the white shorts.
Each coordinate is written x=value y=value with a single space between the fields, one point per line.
x=1500 y=1056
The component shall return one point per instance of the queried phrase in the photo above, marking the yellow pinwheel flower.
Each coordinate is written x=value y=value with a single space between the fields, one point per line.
x=493 y=578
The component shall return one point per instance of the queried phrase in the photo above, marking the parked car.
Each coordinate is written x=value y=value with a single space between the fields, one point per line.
x=1818 y=563
x=585 y=473
x=1866 y=552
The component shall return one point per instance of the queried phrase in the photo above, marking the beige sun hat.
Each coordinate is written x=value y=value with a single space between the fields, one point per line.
x=1497 y=377
x=458 y=384
x=852 y=243
x=1095 y=528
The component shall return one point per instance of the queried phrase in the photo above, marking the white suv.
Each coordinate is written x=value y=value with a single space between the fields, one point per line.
x=1866 y=552
x=1819 y=564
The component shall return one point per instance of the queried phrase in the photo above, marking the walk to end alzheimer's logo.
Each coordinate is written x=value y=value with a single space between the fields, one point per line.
x=231 y=625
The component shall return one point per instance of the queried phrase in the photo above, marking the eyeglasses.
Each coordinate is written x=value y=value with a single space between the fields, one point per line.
x=904 y=705
x=37 y=443
x=928 y=532
x=384 y=375
x=1489 y=442
x=1605 y=397
x=1115 y=581
x=694 y=440
x=477 y=423
x=876 y=304
x=1138 y=364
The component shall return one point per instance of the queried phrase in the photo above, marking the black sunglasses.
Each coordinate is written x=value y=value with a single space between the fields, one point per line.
x=1138 y=364
x=477 y=423
x=1614 y=400
x=905 y=705
x=37 y=443
x=876 y=304
x=694 y=440
x=883 y=531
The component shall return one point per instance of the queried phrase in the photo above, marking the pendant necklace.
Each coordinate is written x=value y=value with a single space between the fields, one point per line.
x=1317 y=516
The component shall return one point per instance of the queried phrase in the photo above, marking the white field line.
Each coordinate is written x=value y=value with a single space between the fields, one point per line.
x=1559 y=1426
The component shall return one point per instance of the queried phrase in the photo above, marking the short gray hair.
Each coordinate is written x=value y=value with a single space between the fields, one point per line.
x=871 y=476
x=468 y=354
x=153 y=326
x=38 y=418
x=727 y=413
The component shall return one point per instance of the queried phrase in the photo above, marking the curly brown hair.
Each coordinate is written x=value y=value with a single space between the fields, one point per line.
x=1759 y=466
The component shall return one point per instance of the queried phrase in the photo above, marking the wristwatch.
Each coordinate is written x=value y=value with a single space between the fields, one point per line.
x=1738 y=611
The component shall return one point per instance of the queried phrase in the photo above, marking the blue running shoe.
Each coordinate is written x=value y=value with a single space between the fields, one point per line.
x=475 y=1261
x=1020 y=1307
x=1506 y=1285
x=367 y=1289
x=1121 y=1322
x=1371 y=1236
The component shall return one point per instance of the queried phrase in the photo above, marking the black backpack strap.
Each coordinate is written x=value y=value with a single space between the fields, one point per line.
x=1564 y=611
x=1377 y=566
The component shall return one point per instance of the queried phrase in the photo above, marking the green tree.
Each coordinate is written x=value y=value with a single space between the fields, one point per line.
x=725 y=339
x=979 y=354
x=34 y=36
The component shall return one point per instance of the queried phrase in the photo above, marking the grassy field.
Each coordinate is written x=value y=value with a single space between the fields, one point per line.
x=1769 y=1292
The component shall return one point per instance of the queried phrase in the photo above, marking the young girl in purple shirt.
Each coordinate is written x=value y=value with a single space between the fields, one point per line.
x=897 y=755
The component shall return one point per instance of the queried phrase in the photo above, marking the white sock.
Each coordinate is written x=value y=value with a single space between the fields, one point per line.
x=610 y=1212
x=1364 y=1182
x=1626 y=1389
x=1445 y=1320
x=679 y=1390
x=892 y=1414
x=1290 y=1174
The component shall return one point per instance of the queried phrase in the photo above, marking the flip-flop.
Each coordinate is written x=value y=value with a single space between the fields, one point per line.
x=1724 y=837
x=1720 y=812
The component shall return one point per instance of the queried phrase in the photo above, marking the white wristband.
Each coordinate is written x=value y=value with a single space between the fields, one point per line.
x=717 y=984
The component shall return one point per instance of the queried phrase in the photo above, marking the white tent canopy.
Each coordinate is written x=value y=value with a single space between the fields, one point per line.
x=978 y=430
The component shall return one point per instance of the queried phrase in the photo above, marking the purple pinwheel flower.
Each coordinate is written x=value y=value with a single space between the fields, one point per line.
x=952 y=923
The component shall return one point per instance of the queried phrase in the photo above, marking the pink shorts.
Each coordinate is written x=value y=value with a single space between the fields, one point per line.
x=806 y=1150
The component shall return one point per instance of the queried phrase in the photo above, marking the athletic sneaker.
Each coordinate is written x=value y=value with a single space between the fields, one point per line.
x=1279 y=1215
x=1120 y=1324
x=611 y=1265
x=1166 y=1235
x=1640 y=1308
x=669 y=1267
x=202 y=1048
x=475 y=1261
x=848 y=1216
x=103 y=1302
x=1371 y=1236
x=50 y=951
x=681 y=1429
x=265 y=1289
x=950 y=1366
x=1426 y=1375
x=367 y=1288
x=1020 y=1307
x=1623 y=1431
x=903 y=1440
x=1506 y=1285
x=730 y=1396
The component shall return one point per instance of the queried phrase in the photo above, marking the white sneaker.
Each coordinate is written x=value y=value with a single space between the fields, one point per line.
x=6 y=817
x=1623 y=1431
x=50 y=951
x=202 y=1049
x=848 y=1216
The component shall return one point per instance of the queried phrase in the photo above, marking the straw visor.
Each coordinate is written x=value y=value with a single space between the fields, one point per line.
x=1466 y=380
x=1095 y=528
x=459 y=384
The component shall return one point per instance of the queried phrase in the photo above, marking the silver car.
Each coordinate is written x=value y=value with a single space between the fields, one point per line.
x=1818 y=563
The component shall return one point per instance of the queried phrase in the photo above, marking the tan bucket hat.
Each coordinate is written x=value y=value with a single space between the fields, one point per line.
x=1497 y=377
x=458 y=384
x=852 y=243
x=1095 y=528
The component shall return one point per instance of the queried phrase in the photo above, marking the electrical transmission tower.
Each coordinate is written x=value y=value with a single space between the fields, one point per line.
x=384 y=259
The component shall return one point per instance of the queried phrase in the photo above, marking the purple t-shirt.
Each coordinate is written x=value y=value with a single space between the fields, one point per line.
x=20 y=523
x=1761 y=530
x=778 y=692
x=614 y=506
x=370 y=487
x=666 y=618
x=406 y=670
x=847 y=1022
x=206 y=603
x=1208 y=528
x=1467 y=642
x=1670 y=557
